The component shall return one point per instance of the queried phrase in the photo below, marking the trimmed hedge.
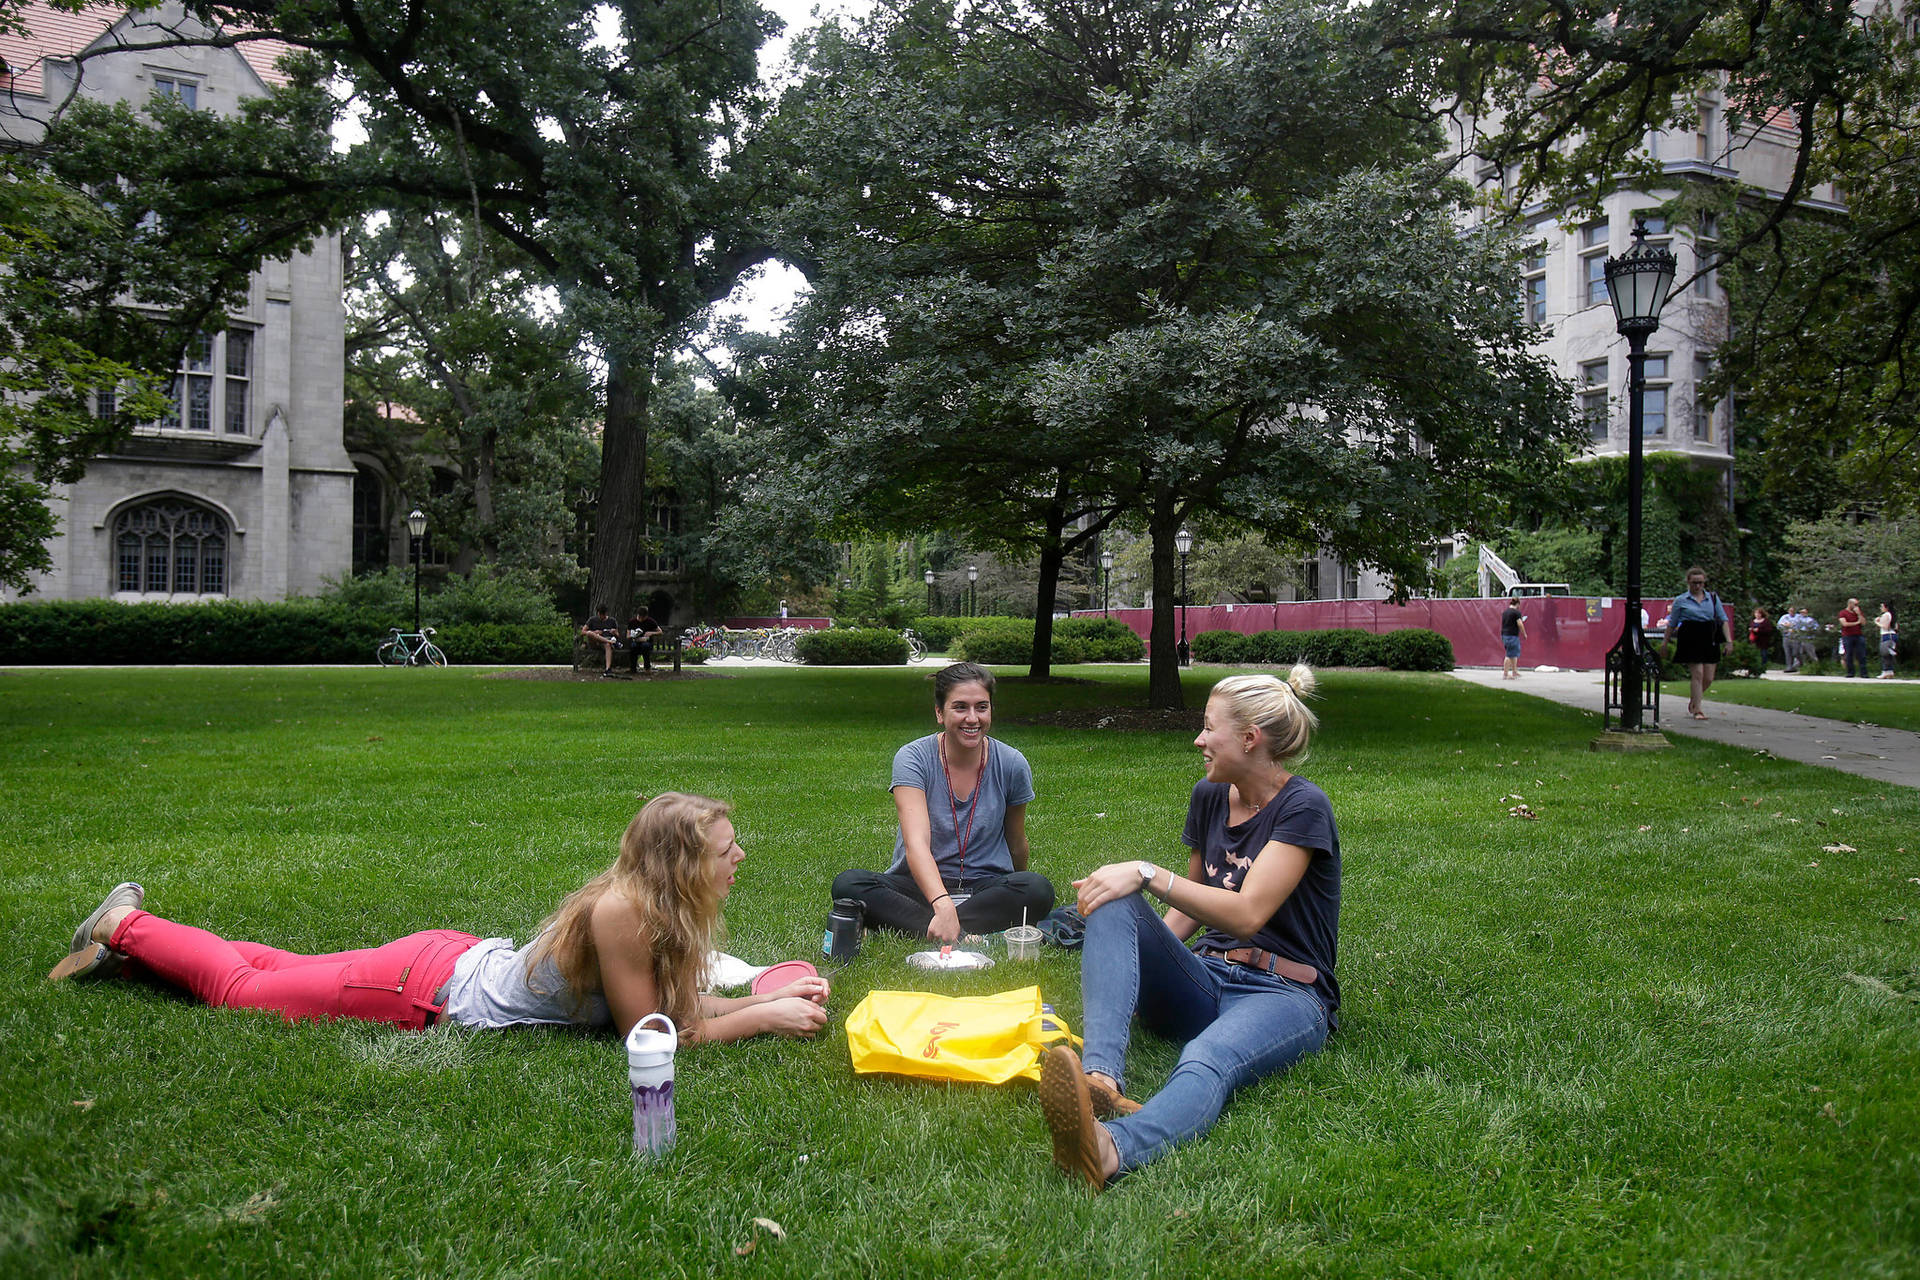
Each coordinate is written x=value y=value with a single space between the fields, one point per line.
x=1009 y=641
x=1410 y=649
x=548 y=644
x=853 y=647
x=248 y=633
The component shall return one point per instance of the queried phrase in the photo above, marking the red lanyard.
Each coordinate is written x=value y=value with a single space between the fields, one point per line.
x=973 y=804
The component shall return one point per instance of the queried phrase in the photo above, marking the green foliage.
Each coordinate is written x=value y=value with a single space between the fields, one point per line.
x=853 y=647
x=1409 y=649
x=495 y=619
x=1009 y=641
x=1739 y=660
x=1416 y=649
x=1831 y=559
x=941 y=632
x=56 y=358
x=544 y=644
x=488 y=594
x=1122 y=295
x=1102 y=639
x=441 y=323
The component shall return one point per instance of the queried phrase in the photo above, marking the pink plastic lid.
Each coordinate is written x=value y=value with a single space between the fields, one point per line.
x=782 y=974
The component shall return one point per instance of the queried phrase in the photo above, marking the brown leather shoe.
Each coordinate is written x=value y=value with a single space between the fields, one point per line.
x=1107 y=1102
x=1068 y=1107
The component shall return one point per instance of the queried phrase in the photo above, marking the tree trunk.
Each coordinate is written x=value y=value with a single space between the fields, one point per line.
x=617 y=520
x=1053 y=553
x=1163 y=663
x=483 y=492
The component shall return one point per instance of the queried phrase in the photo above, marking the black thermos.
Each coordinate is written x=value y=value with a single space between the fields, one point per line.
x=842 y=940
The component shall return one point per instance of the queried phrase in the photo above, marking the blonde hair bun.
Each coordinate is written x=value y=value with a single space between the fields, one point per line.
x=1276 y=707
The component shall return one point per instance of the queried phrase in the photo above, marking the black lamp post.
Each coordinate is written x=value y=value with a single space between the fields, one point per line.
x=1106 y=582
x=928 y=575
x=1637 y=283
x=1183 y=543
x=973 y=576
x=417 y=526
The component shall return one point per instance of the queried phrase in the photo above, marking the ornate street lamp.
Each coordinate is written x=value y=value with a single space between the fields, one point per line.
x=1637 y=284
x=973 y=576
x=1183 y=543
x=417 y=527
x=1106 y=582
x=928 y=575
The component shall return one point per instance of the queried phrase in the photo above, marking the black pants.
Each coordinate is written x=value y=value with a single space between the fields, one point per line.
x=639 y=651
x=893 y=900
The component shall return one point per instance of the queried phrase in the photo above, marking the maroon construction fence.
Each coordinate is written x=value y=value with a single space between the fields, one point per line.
x=1562 y=631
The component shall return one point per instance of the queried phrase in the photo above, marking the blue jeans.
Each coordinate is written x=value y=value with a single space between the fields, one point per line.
x=1853 y=651
x=1239 y=1024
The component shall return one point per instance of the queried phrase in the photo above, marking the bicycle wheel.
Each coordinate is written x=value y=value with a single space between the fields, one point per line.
x=717 y=648
x=391 y=653
x=430 y=652
x=916 y=650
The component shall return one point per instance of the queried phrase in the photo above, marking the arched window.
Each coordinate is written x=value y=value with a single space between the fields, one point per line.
x=170 y=546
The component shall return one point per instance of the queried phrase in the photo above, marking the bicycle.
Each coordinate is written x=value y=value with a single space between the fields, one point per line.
x=916 y=647
x=409 y=649
x=702 y=636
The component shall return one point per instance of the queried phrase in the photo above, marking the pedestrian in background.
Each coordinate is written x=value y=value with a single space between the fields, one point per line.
x=1797 y=629
x=1889 y=640
x=1853 y=643
x=1513 y=629
x=1760 y=633
x=1697 y=629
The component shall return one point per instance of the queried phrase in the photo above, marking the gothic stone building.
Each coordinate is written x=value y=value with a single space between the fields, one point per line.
x=246 y=490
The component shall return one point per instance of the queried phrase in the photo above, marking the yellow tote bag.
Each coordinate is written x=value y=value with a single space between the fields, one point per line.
x=984 y=1039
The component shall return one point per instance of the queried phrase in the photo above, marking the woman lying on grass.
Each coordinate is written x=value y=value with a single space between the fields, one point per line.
x=631 y=941
x=1258 y=992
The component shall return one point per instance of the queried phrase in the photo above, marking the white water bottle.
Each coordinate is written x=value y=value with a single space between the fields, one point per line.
x=650 y=1071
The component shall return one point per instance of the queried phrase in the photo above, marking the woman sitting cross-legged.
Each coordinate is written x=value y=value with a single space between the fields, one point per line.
x=960 y=859
x=633 y=940
x=1262 y=890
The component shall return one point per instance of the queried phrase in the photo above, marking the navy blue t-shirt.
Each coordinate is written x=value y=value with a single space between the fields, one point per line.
x=1307 y=925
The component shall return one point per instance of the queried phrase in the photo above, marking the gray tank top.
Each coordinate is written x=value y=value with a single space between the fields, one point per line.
x=490 y=988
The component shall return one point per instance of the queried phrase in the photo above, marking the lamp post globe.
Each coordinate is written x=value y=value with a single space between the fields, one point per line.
x=417 y=529
x=1183 y=543
x=1637 y=285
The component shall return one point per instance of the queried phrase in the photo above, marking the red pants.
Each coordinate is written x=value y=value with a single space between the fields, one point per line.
x=394 y=983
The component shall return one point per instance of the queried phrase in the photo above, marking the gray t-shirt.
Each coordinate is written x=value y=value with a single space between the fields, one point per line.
x=489 y=988
x=1006 y=780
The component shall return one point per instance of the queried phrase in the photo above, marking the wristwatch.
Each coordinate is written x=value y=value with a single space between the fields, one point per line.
x=1147 y=872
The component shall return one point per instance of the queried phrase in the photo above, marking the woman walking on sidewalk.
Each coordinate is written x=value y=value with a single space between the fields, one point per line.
x=1697 y=622
x=1889 y=640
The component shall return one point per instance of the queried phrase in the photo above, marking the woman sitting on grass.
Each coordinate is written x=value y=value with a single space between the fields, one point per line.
x=633 y=940
x=960 y=858
x=1258 y=993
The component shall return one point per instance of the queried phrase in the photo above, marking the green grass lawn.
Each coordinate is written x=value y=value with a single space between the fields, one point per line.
x=1671 y=1027
x=1894 y=704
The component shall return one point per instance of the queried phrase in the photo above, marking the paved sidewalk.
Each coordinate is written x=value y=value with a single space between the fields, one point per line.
x=1888 y=755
